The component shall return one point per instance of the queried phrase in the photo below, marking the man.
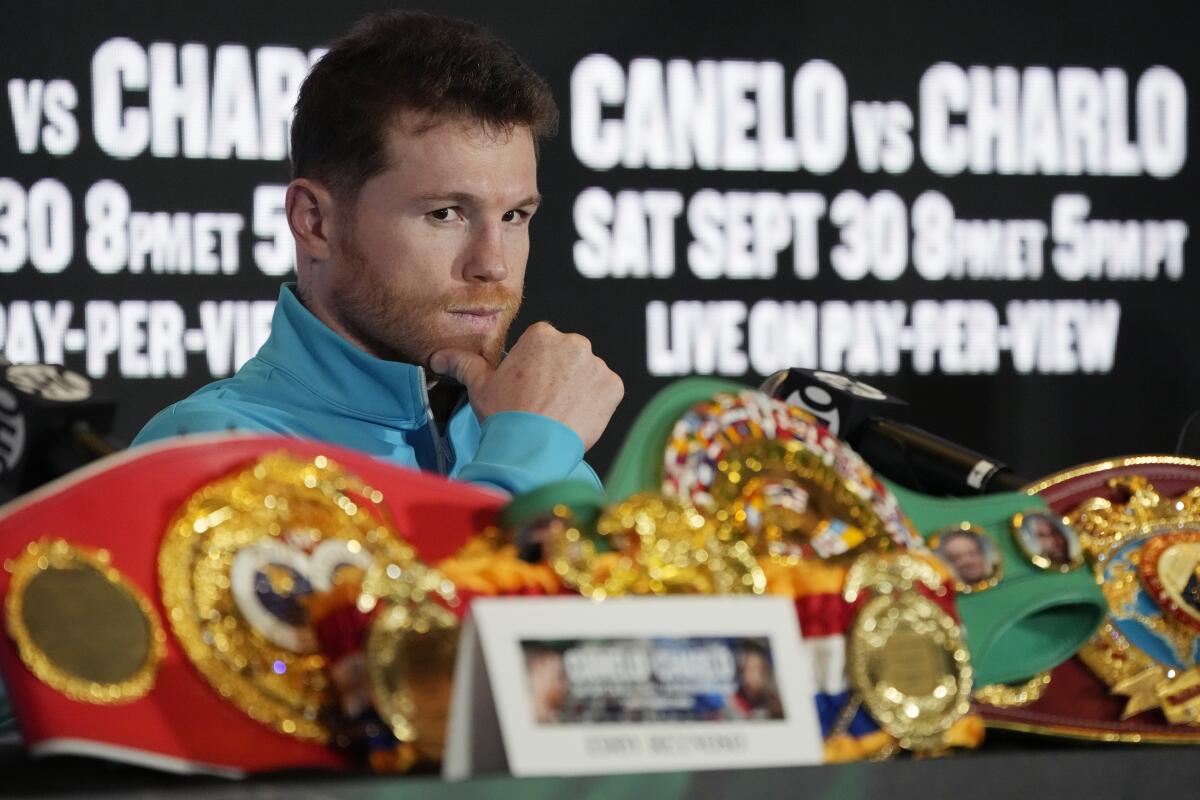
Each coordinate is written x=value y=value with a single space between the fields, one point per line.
x=414 y=181
x=547 y=683
x=1051 y=542
x=757 y=696
x=964 y=552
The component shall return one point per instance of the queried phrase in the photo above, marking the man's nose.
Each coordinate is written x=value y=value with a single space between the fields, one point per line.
x=486 y=259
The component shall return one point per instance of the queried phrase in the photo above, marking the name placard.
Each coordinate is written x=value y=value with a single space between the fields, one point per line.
x=568 y=686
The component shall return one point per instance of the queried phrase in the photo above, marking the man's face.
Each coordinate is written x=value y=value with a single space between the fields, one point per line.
x=433 y=252
x=754 y=675
x=548 y=680
x=966 y=556
x=1052 y=543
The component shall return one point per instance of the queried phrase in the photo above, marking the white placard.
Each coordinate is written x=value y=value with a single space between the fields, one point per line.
x=631 y=685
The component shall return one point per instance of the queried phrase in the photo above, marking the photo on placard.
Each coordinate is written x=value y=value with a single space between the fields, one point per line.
x=653 y=679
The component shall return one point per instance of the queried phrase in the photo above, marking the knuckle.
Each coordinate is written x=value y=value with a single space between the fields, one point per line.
x=578 y=342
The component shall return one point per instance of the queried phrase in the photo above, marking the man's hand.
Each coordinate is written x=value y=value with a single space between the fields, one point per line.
x=547 y=372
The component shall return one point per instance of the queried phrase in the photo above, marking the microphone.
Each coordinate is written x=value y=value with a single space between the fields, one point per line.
x=1189 y=437
x=870 y=421
x=51 y=422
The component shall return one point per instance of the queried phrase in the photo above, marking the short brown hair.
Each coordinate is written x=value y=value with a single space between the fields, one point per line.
x=396 y=61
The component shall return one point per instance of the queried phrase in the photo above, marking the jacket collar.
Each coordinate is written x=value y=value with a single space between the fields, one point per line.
x=356 y=382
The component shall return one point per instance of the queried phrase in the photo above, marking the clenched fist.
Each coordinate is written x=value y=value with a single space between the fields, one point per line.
x=547 y=372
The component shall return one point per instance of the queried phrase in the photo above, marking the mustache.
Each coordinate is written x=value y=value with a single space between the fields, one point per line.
x=489 y=296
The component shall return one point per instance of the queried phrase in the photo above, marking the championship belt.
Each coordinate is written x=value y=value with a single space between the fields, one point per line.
x=1137 y=679
x=231 y=603
x=876 y=608
x=1024 y=612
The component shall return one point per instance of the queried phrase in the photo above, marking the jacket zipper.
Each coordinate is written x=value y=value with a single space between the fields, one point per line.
x=441 y=442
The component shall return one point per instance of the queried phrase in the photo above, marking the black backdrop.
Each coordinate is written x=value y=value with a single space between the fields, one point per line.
x=1050 y=113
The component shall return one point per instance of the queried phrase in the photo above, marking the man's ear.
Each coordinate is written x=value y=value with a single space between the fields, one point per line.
x=311 y=216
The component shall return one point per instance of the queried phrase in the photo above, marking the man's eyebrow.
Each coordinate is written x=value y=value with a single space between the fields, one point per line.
x=466 y=198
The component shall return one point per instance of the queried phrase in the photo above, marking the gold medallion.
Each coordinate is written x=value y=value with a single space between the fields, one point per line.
x=81 y=626
x=1047 y=540
x=973 y=559
x=410 y=651
x=410 y=665
x=237 y=568
x=908 y=662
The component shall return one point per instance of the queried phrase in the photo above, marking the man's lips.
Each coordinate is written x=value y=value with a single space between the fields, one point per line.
x=475 y=319
x=476 y=311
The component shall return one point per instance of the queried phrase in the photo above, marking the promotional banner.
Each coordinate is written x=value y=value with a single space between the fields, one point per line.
x=985 y=210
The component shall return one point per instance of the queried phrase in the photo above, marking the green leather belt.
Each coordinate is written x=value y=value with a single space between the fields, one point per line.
x=1032 y=619
x=1029 y=621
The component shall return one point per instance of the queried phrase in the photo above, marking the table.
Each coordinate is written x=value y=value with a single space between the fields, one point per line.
x=1009 y=766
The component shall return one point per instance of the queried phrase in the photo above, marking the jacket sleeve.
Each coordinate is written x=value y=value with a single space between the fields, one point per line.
x=519 y=451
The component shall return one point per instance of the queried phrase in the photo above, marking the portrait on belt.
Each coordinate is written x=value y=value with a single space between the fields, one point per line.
x=970 y=555
x=1047 y=541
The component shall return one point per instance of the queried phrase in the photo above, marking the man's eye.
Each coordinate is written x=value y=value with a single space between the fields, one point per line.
x=516 y=215
x=445 y=214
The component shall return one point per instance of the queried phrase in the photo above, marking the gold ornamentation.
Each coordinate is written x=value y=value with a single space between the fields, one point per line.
x=1142 y=690
x=885 y=573
x=656 y=545
x=1125 y=668
x=235 y=568
x=411 y=582
x=1128 y=540
x=1004 y=695
x=1120 y=589
x=1180 y=698
x=908 y=661
x=942 y=543
x=789 y=502
x=1179 y=639
x=578 y=563
x=1104 y=526
x=81 y=626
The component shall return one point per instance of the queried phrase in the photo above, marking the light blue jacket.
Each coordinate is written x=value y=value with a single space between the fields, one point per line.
x=308 y=381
